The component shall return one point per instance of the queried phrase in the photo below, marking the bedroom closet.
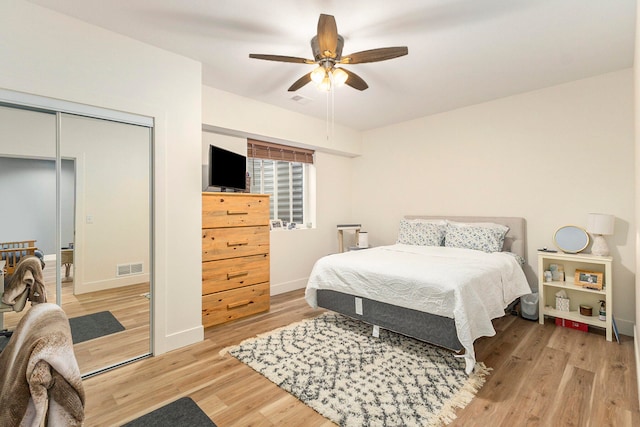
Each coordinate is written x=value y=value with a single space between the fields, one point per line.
x=78 y=180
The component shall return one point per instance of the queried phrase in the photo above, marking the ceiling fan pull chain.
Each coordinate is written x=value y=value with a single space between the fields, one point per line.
x=333 y=109
x=327 y=102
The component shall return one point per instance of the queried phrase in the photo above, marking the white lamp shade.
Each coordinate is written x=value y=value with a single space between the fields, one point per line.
x=339 y=76
x=325 y=85
x=318 y=74
x=598 y=223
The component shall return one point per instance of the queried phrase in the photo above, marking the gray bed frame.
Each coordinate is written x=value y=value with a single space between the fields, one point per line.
x=430 y=328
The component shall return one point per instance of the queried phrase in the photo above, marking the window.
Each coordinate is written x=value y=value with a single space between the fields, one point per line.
x=283 y=173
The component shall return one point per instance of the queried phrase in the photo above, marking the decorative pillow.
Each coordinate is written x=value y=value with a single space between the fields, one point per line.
x=422 y=232
x=481 y=236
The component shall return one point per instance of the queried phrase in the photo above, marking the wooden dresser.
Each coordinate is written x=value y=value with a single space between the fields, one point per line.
x=235 y=256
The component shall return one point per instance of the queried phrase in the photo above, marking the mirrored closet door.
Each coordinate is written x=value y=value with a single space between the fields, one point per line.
x=94 y=232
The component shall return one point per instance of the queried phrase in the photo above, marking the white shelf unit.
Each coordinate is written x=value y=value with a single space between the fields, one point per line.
x=577 y=294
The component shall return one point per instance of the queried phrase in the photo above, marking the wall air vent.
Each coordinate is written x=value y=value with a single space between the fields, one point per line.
x=124 y=270
x=136 y=268
x=128 y=269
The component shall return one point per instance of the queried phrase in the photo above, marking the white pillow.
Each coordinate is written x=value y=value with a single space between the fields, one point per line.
x=481 y=236
x=422 y=232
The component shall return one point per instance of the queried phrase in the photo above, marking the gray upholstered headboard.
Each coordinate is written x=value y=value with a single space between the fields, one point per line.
x=515 y=240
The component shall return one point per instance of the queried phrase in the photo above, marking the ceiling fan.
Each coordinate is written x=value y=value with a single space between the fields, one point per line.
x=327 y=53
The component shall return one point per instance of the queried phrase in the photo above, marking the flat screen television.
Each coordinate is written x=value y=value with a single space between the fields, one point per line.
x=227 y=170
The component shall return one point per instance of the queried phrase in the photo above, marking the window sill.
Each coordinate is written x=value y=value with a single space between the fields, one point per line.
x=283 y=229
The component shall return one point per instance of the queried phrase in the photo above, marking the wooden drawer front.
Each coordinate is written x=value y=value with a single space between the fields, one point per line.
x=229 y=305
x=223 y=243
x=234 y=273
x=220 y=210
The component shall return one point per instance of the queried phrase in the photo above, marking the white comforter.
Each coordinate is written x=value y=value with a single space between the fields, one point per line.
x=472 y=287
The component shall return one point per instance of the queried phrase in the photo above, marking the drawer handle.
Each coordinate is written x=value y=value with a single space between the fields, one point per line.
x=230 y=244
x=238 y=304
x=237 y=213
x=238 y=274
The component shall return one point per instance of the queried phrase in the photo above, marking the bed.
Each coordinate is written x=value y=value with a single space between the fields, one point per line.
x=443 y=282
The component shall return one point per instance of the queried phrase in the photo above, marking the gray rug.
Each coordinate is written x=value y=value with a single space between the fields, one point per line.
x=3 y=342
x=183 y=412
x=88 y=327
x=94 y=325
x=334 y=365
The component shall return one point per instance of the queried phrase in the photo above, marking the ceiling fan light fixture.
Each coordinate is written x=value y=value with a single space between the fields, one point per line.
x=326 y=47
x=325 y=84
x=339 y=77
x=318 y=75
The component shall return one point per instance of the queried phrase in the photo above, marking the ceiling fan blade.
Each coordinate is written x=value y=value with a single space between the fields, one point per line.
x=327 y=35
x=354 y=80
x=375 y=55
x=282 y=58
x=300 y=82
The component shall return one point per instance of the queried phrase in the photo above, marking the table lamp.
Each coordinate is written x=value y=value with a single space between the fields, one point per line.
x=600 y=225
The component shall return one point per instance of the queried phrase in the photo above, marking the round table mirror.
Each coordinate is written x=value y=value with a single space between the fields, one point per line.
x=571 y=239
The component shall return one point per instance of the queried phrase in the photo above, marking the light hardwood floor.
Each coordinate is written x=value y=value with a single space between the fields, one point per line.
x=542 y=376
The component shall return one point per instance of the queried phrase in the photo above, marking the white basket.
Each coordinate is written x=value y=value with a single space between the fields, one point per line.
x=562 y=304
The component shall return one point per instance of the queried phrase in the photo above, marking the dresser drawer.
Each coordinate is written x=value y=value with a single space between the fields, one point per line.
x=234 y=273
x=223 y=243
x=219 y=210
x=230 y=305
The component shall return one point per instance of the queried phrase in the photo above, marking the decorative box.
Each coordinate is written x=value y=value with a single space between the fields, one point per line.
x=586 y=310
x=562 y=304
x=572 y=324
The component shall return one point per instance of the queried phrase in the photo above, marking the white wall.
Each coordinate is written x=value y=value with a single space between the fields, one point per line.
x=104 y=173
x=52 y=55
x=28 y=194
x=293 y=252
x=550 y=156
x=239 y=115
x=113 y=178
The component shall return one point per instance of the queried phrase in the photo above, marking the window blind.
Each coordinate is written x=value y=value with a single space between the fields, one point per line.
x=270 y=151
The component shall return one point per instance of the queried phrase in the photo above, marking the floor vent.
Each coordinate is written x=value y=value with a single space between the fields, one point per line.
x=129 y=269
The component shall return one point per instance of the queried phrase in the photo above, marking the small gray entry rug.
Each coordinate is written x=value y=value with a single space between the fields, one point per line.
x=183 y=412
x=87 y=327
x=94 y=325
x=334 y=365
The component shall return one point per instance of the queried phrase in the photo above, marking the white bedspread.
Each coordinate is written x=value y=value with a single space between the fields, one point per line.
x=472 y=287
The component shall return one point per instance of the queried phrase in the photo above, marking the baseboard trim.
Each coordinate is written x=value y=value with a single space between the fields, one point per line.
x=292 y=285
x=101 y=285
x=625 y=327
x=180 y=339
x=636 y=347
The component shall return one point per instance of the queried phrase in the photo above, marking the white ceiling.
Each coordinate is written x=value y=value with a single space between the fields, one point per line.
x=461 y=52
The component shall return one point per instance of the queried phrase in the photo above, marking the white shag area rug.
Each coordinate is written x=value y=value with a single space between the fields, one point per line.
x=333 y=364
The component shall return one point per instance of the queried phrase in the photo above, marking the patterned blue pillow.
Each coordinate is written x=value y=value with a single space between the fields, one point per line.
x=422 y=232
x=487 y=237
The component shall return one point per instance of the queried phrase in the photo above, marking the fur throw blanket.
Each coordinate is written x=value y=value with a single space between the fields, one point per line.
x=26 y=282
x=40 y=381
